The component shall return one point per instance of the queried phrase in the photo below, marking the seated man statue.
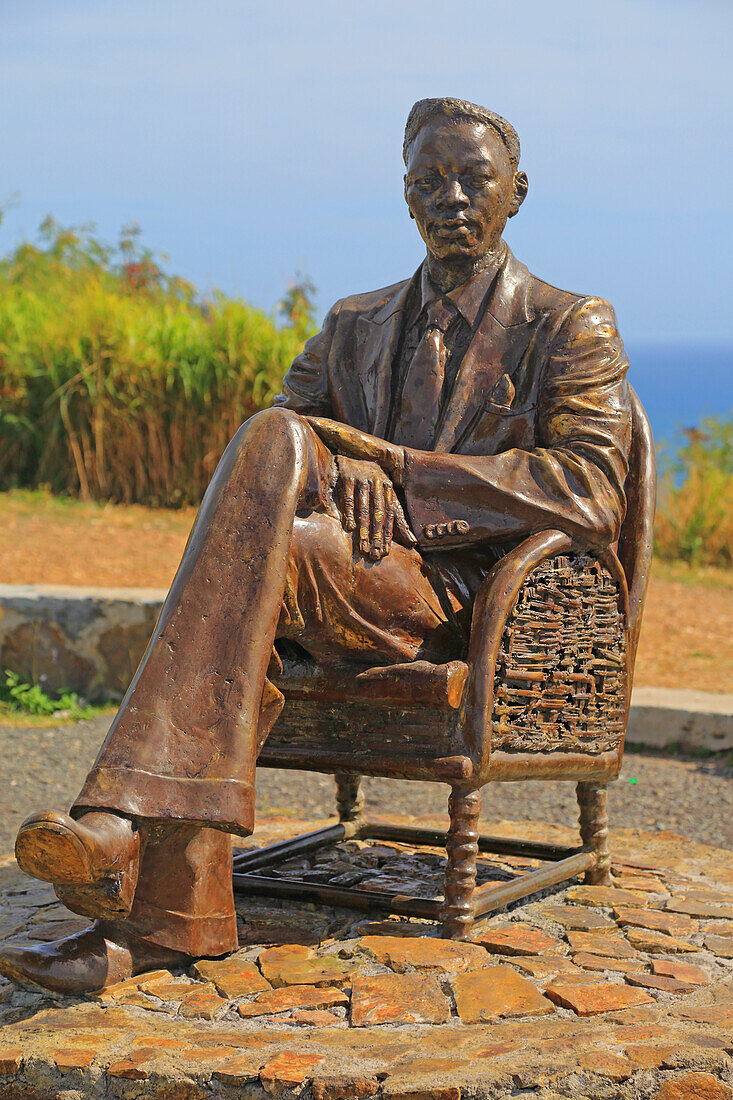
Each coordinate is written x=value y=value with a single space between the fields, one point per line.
x=428 y=427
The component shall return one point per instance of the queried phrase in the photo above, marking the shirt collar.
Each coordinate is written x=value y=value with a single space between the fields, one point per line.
x=469 y=296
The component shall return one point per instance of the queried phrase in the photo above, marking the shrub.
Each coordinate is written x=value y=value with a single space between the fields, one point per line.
x=116 y=381
x=695 y=514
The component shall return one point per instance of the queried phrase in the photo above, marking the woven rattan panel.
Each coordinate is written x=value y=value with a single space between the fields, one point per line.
x=560 y=677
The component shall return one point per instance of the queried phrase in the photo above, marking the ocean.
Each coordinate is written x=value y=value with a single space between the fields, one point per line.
x=680 y=383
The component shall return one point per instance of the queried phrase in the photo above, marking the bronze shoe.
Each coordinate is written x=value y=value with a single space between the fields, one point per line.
x=85 y=962
x=93 y=862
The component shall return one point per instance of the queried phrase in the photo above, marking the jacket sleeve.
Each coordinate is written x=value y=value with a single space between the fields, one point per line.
x=572 y=480
x=305 y=386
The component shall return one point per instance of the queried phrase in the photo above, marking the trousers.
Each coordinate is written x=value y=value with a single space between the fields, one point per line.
x=267 y=558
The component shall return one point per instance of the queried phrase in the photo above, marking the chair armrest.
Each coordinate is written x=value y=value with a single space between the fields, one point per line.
x=493 y=606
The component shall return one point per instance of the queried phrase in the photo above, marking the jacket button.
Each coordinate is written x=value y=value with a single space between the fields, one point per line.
x=429 y=530
x=458 y=527
x=441 y=529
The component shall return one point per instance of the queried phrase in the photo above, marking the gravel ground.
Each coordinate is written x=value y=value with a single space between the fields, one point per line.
x=45 y=767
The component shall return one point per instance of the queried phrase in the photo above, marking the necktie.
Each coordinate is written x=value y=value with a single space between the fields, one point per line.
x=423 y=387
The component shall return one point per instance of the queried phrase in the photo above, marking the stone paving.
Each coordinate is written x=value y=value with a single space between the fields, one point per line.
x=582 y=992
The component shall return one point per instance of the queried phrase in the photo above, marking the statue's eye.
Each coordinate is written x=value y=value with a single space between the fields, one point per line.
x=428 y=182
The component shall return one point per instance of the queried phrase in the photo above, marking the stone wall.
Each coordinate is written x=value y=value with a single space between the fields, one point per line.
x=90 y=640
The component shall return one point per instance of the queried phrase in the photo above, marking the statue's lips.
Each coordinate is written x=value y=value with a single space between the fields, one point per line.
x=453 y=228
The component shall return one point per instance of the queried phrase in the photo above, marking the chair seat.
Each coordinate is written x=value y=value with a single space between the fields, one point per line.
x=416 y=682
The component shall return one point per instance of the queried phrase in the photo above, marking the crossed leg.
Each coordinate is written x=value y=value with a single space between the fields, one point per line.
x=267 y=558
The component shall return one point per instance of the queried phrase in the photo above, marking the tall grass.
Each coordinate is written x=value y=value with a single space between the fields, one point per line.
x=695 y=513
x=116 y=382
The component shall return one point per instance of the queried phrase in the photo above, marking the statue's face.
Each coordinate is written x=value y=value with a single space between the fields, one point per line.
x=460 y=187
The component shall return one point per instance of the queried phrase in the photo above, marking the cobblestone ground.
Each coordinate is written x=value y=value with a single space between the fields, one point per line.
x=587 y=991
x=44 y=767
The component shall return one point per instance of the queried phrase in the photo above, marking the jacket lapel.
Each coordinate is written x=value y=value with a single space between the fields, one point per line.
x=377 y=337
x=497 y=346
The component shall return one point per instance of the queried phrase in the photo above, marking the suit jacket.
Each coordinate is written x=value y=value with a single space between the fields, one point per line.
x=535 y=431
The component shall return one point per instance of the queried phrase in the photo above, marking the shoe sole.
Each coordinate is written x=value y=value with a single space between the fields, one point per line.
x=52 y=852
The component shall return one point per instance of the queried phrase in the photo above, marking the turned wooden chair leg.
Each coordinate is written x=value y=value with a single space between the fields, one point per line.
x=594 y=830
x=461 y=846
x=349 y=799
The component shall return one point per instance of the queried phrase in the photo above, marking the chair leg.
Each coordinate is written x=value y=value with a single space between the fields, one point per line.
x=461 y=845
x=594 y=830
x=349 y=799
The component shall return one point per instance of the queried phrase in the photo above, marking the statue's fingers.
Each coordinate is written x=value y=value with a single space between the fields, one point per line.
x=389 y=502
x=402 y=527
x=346 y=502
x=377 y=519
x=362 y=515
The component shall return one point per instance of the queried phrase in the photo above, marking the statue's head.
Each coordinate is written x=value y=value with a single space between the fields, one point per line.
x=462 y=181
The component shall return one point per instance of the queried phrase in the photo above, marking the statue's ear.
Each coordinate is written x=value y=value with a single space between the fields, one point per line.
x=521 y=187
x=404 y=178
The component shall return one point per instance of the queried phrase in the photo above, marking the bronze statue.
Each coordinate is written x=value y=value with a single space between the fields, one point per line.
x=426 y=429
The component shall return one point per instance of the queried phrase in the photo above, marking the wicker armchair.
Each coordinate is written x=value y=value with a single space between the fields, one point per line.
x=544 y=694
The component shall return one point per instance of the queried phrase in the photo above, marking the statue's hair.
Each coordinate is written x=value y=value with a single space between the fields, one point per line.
x=425 y=109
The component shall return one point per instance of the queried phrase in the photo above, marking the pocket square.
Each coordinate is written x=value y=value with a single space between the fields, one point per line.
x=503 y=392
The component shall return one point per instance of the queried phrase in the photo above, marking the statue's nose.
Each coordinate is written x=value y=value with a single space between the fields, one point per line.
x=453 y=194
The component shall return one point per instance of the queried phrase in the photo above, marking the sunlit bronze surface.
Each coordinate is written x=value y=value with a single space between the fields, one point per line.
x=363 y=544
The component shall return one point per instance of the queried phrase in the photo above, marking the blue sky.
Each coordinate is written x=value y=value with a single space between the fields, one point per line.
x=256 y=140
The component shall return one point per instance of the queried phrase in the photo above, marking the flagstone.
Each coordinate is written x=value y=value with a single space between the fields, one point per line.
x=545 y=965
x=11 y=1059
x=421 y=953
x=232 y=977
x=240 y=1069
x=203 y=1004
x=694 y=1086
x=497 y=992
x=674 y=924
x=684 y=972
x=578 y=918
x=72 y=1058
x=601 y=943
x=344 y=1087
x=722 y=946
x=291 y=997
x=659 y=981
x=588 y=961
x=607 y=897
x=519 y=939
x=646 y=939
x=592 y=1000
x=697 y=907
x=295 y=964
x=288 y=1069
x=398 y=999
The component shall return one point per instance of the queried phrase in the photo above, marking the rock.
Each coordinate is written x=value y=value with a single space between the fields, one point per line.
x=674 y=924
x=203 y=1004
x=313 y=1017
x=42 y=645
x=683 y=972
x=397 y=999
x=606 y=1063
x=232 y=977
x=601 y=943
x=497 y=992
x=587 y=961
x=696 y=907
x=240 y=1069
x=645 y=939
x=11 y=1059
x=295 y=964
x=70 y=1058
x=518 y=939
x=659 y=981
x=592 y=1000
x=722 y=946
x=46 y=933
x=422 y=953
x=578 y=918
x=694 y=1086
x=287 y=1070
x=608 y=897
x=145 y=981
x=292 y=997
x=545 y=966
x=344 y=1087
x=648 y=884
